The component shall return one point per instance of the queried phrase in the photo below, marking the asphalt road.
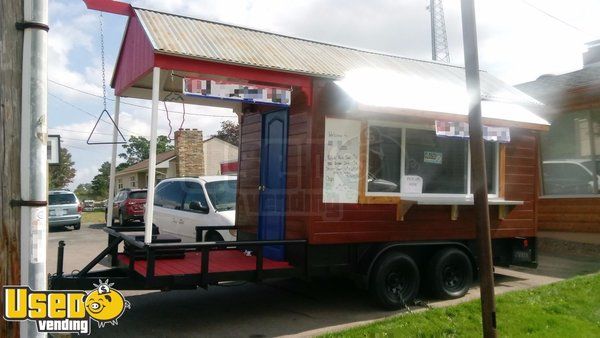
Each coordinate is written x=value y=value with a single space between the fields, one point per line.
x=276 y=308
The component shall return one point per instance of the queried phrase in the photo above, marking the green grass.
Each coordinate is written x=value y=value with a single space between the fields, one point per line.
x=93 y=217
x=569 y=308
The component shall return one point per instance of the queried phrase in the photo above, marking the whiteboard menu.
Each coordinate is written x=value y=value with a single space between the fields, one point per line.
x=341 y=161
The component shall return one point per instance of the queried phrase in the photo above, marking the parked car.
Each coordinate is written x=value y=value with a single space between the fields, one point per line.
x=181 y=204
x=64 y=209
x=88 y=205
x=569 y=177
x=129 y=206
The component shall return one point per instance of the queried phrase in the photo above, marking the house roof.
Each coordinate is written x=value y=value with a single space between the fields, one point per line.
x=143 y=165
x=212 y=41
x=547 y=86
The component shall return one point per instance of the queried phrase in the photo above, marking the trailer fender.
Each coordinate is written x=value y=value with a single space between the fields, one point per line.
x=369 y=259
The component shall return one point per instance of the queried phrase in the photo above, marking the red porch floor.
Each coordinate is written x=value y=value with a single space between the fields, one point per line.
x=219 y=261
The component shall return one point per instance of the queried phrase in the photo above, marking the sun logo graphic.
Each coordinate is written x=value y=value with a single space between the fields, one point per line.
x=65 y=311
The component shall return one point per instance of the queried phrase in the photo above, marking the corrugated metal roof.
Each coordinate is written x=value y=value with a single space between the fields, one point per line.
x=196 y=38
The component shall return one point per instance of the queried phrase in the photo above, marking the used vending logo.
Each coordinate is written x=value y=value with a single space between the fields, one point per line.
x=65 y=311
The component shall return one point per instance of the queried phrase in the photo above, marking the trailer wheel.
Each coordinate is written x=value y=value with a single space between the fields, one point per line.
x=394 y=281
x=450 y=273
x=213 y=236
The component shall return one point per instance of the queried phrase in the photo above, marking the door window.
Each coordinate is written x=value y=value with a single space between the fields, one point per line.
x=169 y=195
x=193 y=193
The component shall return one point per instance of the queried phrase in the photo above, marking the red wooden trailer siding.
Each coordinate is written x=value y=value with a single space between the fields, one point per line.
x=327 y=223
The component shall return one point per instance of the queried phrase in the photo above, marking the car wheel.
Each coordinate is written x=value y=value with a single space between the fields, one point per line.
x=394 y=281
x=77 y=226
x=450 y=273
x=213 y=236
x=122 y=220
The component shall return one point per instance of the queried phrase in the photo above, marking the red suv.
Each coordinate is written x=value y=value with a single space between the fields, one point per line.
x=129 y=205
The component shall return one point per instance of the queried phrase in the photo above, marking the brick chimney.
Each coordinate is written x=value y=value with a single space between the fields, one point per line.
x=189 y=152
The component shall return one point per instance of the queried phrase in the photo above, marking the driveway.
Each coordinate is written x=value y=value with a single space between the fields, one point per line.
x=275 y=308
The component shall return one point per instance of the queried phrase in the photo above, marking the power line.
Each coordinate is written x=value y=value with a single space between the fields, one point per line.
x=79 y=131
x=555 y=17
x=136 y=105
x=86 y=112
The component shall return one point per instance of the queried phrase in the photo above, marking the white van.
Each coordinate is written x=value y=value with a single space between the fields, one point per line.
x=181 y=204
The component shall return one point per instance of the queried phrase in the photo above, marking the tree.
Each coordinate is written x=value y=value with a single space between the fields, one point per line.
x=62 y=174
x=99 y=186
x=137 y=148
x=84 y=190
x=229 y=132
x=122 y=166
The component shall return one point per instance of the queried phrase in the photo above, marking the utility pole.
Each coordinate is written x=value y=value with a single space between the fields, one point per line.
x=11 y=60
x=478 y=174
x=439 y=38
x=34 y=154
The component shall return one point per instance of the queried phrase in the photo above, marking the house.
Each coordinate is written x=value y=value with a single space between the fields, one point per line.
x=191 y=157
x=570 y=151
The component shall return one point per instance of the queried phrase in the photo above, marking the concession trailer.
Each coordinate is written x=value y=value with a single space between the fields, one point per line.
x=351 y=162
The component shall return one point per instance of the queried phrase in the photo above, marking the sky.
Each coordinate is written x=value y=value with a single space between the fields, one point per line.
x=519 y=40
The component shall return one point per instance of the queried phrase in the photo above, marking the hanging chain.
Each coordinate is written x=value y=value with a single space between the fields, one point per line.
x=103 y=66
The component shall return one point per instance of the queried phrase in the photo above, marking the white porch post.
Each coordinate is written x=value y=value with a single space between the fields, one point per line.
x=113 y=165
x=148 y=218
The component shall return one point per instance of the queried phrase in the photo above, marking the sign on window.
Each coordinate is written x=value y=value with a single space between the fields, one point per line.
x=341 y=161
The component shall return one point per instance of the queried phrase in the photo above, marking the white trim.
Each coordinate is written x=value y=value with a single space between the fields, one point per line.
x=145 y=28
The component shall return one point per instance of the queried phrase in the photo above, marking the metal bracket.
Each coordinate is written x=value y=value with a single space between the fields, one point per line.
x=30 y=24
x=22 y=203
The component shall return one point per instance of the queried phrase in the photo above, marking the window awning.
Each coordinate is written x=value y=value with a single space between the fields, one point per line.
x=389 y=92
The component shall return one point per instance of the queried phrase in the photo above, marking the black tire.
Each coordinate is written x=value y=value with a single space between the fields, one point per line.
x=450 y=273
x=394 y=281
x=213 y=236
x=77 y=226
x=122 y=220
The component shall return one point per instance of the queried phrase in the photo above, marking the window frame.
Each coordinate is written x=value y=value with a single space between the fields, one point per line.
x=401 y=194
x=593 y=115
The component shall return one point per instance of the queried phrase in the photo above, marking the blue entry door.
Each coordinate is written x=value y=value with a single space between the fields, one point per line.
x=273 y=158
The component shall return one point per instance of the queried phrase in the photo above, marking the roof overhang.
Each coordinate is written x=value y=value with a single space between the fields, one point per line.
x=386 y=92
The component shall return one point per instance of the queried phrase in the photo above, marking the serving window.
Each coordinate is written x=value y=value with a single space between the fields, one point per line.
x=411 y=160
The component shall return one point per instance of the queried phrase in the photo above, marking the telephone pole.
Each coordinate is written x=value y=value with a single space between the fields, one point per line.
x=11 y=61
x=478 y=176
x=34 y=154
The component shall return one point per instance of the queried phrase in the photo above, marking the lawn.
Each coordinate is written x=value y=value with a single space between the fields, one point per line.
x=93 y=217
x=569 y=308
